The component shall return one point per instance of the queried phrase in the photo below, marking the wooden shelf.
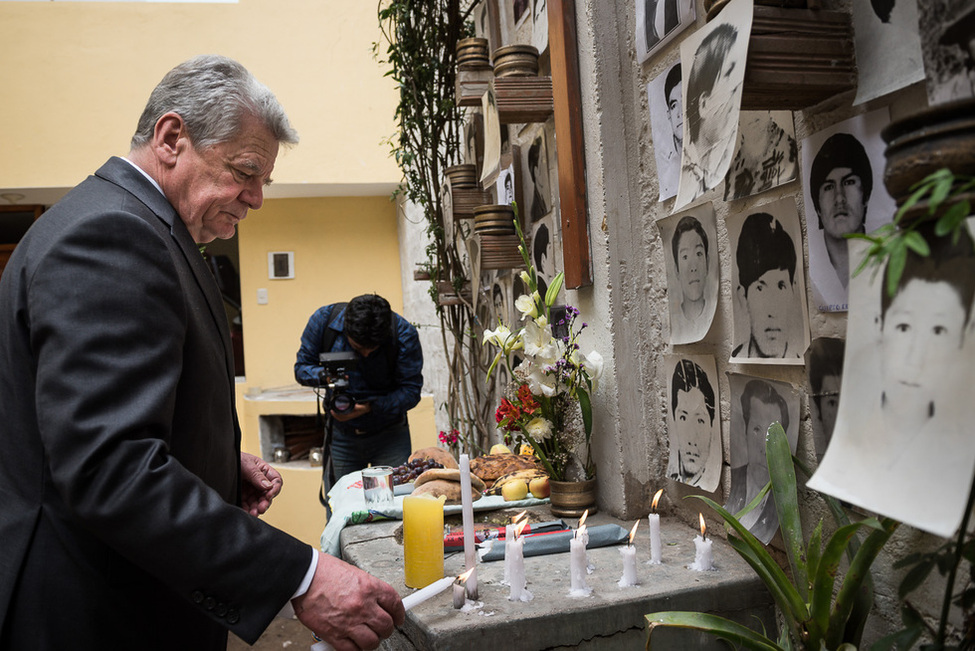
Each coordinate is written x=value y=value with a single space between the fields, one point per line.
x=523 y=99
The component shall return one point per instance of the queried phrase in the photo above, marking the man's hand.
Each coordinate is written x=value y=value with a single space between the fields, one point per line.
x=360 y=409
x=259 y=483
x=348 y=608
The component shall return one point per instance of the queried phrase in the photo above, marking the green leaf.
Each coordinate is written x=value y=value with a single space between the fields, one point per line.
x=585 y=405
x=825 y=578
x=857 y=573
x=783 y=479
x=814 y=549
x=718 y=626
x=777 y=579
x=751 y=506
x=916 y=242
x=952 y=218
x=895 y=265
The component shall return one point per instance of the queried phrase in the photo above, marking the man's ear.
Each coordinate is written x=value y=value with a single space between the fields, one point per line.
x=742 y=294
x=169 y=138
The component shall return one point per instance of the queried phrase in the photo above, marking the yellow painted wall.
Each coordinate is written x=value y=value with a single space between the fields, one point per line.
x=76 y=75
x=342 y=246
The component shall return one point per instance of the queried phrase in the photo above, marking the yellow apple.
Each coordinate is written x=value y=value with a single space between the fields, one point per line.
x=514 y=491
x=500 y=448
x=540 y=488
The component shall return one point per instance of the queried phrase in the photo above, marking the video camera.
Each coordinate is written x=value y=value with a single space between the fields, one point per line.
x=334 y=377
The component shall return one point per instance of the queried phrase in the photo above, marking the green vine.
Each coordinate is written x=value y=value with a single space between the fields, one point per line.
x=419 y=39
x=942 y=196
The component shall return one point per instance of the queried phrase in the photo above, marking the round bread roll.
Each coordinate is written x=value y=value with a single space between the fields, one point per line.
x=439 y=455
x=442 y=487
x=448 y=474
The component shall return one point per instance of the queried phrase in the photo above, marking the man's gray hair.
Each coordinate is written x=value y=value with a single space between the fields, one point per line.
x=213 y=94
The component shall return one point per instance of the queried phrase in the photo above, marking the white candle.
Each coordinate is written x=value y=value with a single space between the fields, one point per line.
x=515 y=549
x=703 y=561
x=509 y=533
x=460 y=594
x=578 y=565
x=467 y=508
x=628 y=554
x=432 y=590
x=654 y=520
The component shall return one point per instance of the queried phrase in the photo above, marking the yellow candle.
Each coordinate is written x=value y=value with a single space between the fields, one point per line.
x=422 y=539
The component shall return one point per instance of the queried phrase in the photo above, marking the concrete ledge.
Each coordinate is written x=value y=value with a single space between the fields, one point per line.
x=611 y=618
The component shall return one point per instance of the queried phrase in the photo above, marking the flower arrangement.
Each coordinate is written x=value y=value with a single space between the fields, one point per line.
x=549 y=404
x=450 y=440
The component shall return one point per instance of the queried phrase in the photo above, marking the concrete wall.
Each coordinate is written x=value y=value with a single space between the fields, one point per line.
x=627 y=304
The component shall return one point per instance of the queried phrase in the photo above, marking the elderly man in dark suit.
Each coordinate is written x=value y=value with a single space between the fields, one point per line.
x=120 y=511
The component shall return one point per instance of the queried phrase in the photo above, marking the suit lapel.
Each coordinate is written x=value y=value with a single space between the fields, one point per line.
x=123 y=174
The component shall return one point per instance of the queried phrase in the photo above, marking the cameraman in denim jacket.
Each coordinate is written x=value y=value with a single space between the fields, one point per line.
x=384 y=381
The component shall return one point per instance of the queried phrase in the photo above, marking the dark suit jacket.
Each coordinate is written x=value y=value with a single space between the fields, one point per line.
x=119 y=441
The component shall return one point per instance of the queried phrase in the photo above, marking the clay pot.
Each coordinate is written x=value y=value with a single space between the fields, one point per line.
x=922 y=143
x=573 y=498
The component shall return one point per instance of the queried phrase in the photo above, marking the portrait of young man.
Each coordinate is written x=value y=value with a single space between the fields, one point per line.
x=843 y=194
x=539 y=185
x=713 y=70
x=756 y=403
x=770 y=324
x=888 y=47
x=689 y=240
x=824 y=363
x=905 y=421
x=694 y=425
x=664 y=97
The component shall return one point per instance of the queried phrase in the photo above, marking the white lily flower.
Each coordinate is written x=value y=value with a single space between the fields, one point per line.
x=540 y=382
x=525 y=278
x=539 y=428
x=526 y=306
x=593 y=364
x=537 y=339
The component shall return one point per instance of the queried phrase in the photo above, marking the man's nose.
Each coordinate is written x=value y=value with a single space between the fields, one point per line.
x=253 y=195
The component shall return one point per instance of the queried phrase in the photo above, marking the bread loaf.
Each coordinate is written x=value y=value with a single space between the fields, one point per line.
x=441 y=456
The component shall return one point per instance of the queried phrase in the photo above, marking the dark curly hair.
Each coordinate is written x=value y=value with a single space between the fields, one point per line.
x=368 y=319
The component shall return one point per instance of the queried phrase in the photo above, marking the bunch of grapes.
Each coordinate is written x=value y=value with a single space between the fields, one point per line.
x=412 y=469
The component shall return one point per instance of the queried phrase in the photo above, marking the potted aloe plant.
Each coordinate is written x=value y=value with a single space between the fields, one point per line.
x=813 y=618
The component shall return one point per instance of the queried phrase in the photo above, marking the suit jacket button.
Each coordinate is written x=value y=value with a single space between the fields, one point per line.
x=221 y=610
x=209 y=603
x=197 y=597
x=233 y=616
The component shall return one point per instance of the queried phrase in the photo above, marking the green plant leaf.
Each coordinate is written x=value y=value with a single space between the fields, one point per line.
x=777 y=579
x=585 y=405
x=858 y=571
x=783 y=480
x=952 y=218
x=897 y=258
x=718 y=626
x=916 y=242
x=772 y=583
x=814 y=549
x=822 y=593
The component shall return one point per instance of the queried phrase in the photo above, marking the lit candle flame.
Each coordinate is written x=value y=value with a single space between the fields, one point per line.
x=703 y=528
x=581 y=530
x=520 y=527
x=582 y=520
x=463 y=577
x=632 y=533
x=523 y=514
x=656 y=499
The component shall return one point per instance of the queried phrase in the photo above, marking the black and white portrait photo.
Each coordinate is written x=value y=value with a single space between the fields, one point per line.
x=694 y=425
x=903 y=445
x=540 y=25
x=538 y=182
x=756 y=403
x=543 y=252
x=659 y=21
x=491 y=163
x=824 y=363
x=766 y=155
x=504 y=187
x=713 y=70
x=770 y=324
x=888 y=47
x=844 y=193
x=948 y=45
x=690 y=247
x=666 y=102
